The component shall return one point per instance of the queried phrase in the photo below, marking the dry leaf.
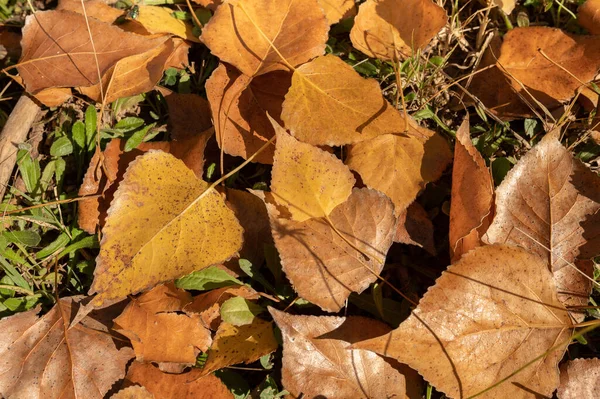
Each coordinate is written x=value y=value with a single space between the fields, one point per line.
x=415 y=228
x=254 y=36
x=208 y=305
x=244 y=344
x=54 y=96
x=579 y=379
x=58 y=43
x=92 y=211
x=393 y=29
x=210 y=4
x=322 y=266
x=138 y=73
x=176 y=386
x=97 y=9
x=588 y=16
x=163 y=223
x=44 y=359
x=507 y=6
x=307 y=180
x=329 y=103
x=548 y=203
x=159 y=20
x=400 y=166
x=239 y=107
x=336 y=10
x=472 y=195
x=486 y=317
x=252 y=215
x=133 y=392
x=158 y=332
x=189 y=116
x=317 y=365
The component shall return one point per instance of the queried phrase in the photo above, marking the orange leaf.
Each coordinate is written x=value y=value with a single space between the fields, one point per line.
x=588 y=16
x=336 y=10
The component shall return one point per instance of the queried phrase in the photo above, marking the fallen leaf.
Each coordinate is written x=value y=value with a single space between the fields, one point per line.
x=266 y=36
x=329 y=103
x=239 y=107
x=245 y=344
x=588 y=16
x=507 y=6
x=54 y=96
x=159 y=332
x=133 y=392
x=393 y=29
x=400 y=166
x=43 y=358
x=73 y=62
x=239 y=311
x=252 y=215
x=138 y=73
x=207 y=279
x=97 y=9
x=307 y=180
x=472 y=195
x=336 y=10
x=415 y=228
x=159 y=20
x=92 y=211
x=325 y=268
x=176 y=386
x=579 y=379
x=163 y=223
x=189 y=116
x=316 y=365
x=486 y=317
x=210 y=4
x=548 y=203
x=208 y=305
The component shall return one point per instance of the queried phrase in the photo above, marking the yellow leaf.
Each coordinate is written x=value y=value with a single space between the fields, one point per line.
x=336 y=10
x=233 y=345
x=307 y=180
x=400 y=166
x=163 y=223
x=329 y=103
x=159 y=20
x=263 y=36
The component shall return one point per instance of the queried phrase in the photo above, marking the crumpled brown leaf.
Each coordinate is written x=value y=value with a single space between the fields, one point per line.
x=159 y=332
x=322 y=266
x=393 y=29
x=549 y=203
x=176 y=386
x=579 y=379
x=318 y=361
x=472 y=195
x=239 y=107
x=43 y=358
x=488 y=315
x=254 y=36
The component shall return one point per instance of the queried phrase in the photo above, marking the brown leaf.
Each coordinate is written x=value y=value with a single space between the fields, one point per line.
x=579 y=379
x=43 y=358
x=329 y=103
x=176 y=386
x=158 y=333
x=472 y=195
x=548 y=203
x=394 y=29
x=307 y=180
x=486 y=317
x=133 y=392
x=208 y=305
x=138 y=73
x=239 y=107
x=58 y=43
x=321 y=265
x=163 y=223
x=318 y=361
x=588 y=16
x=92 y=211
x=252 y=214
x=244 y=344
x=189 y=116
x=254 y=36
x=97 y=9
x=336 y=10
x=415 y=228
x=400 y=166
x=210 y=4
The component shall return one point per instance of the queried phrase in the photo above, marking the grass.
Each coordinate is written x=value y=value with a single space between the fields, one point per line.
x=43 y=253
